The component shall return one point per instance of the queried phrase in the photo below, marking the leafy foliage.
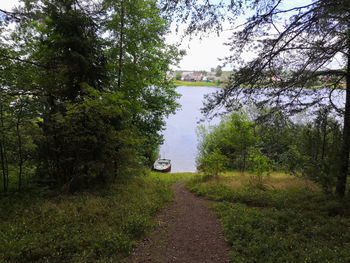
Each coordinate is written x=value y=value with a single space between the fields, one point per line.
x=260 y=165
x=91 y=77
x=309 y=150
x=233 y=137
x=316 y=151
x=213 y=163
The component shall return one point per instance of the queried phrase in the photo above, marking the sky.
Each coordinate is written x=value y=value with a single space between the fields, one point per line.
x=8 y=4
x=205 y=53
x=200 y=54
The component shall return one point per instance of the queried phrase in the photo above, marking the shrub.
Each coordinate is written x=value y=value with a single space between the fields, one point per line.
x=260 y=166
x=212 y=163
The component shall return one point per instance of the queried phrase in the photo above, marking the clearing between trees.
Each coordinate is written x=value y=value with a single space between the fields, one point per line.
x=280 y=218
x=187 y=231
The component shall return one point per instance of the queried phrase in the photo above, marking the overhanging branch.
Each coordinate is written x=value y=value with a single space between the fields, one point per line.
x=22 y=60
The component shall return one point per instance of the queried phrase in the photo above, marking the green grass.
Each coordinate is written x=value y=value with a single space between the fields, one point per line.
x=197 y=84
x=171 y=178
x=268 y=235
x=279 y=191
x=95 y=226
x=286 y=220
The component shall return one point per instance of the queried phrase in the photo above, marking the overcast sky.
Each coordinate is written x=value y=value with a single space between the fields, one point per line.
x=201 y=54
x=7 y=4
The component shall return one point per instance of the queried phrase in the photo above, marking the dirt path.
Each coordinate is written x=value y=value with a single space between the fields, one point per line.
x=187 y=232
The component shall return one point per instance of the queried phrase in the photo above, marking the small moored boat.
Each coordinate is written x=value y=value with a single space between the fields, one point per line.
x=162 y=165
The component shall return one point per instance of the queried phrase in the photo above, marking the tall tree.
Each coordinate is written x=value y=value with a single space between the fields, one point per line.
x=65 y=41
x=94 y=76
x=140 y=59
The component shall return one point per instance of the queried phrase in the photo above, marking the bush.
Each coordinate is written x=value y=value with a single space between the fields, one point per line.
x=212 y=163
x=260 y=165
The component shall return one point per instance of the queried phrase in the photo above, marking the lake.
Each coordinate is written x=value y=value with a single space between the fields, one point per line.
x=180 y=143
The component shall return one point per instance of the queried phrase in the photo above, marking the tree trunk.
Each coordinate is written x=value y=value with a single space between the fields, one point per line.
x=20 y=150
x=121 y=40
x=4 y=177
x=324 y=139
x=4 y=165
x=344 y=167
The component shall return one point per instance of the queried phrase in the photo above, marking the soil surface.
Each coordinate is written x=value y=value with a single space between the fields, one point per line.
x=187 y=232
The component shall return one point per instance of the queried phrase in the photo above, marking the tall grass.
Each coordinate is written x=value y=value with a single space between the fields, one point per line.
x=94 y=226
x=279 y=191
x=287 y=220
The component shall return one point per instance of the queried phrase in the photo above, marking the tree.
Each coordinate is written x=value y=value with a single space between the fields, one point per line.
x=276 y=132
x=143 y=60
x=218 y=71
x=3 y=143
x=93 y=77
x=294 y=46
x=63 y=39
x=213 y=163
x=178 y=75
x=260 y=165
x=313 y=151
x=240 y=137
x=233 y=137
x=17 y=111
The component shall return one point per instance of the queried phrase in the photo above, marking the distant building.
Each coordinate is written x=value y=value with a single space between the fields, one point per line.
x=276 y=78
x=193 y=76
x=325 y=79
x=185 y=75
x=170 y=75
x=211 y=76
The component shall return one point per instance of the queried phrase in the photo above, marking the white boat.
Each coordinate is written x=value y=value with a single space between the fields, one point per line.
x=162 y=165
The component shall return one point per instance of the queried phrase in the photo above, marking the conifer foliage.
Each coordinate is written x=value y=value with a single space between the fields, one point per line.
x=86 y=84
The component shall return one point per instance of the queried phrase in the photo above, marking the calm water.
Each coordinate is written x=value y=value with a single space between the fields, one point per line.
x=180 y=143
x=180 y=135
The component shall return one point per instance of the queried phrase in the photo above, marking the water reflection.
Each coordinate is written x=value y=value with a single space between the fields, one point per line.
x=180 y=143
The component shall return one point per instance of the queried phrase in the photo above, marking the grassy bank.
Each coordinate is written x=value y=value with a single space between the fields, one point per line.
x=96 y=226
x=286 y=220
x=197 y=84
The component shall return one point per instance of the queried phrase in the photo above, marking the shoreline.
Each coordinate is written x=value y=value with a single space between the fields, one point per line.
x=197 y=84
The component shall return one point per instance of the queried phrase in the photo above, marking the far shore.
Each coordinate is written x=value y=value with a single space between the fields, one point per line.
x=221 y=85
x=198 y=84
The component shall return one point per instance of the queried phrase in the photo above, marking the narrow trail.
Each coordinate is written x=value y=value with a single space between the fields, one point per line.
x=187 y=232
